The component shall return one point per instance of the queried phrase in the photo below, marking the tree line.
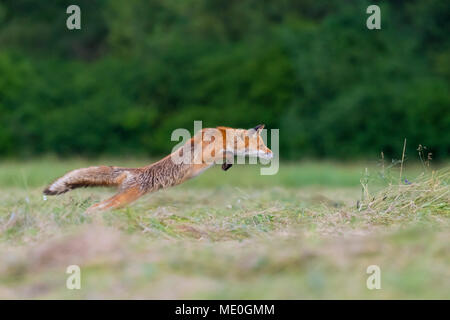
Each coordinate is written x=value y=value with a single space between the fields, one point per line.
x=137 y=70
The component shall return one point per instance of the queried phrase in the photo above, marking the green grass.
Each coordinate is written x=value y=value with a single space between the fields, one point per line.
x=310 y=231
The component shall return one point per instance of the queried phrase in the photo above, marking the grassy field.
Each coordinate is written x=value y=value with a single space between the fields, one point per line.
x=310 y=231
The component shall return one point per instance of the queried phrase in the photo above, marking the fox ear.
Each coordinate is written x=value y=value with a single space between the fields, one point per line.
x=258 y=128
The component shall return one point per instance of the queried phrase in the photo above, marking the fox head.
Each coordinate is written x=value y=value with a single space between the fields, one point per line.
x=243 y=142
x=214 y=145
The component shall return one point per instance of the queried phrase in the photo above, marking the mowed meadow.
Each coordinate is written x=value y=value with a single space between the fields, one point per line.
x=309 y=231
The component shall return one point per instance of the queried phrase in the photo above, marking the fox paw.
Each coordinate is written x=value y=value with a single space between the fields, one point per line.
x=226 y=166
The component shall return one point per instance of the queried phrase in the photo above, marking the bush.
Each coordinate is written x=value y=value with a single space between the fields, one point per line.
x=138 y=70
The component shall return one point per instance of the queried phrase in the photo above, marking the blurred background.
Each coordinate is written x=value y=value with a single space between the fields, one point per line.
x=139 y=69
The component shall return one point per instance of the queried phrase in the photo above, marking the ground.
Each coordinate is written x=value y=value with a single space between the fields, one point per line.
x=311 y=231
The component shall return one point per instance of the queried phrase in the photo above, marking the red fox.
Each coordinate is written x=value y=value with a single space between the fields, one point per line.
x=206 y=148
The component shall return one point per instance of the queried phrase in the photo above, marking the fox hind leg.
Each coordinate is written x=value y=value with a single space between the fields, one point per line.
x=119 y=200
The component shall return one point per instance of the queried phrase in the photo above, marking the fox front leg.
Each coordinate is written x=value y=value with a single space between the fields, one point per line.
x=226 y=166
x=227 y=161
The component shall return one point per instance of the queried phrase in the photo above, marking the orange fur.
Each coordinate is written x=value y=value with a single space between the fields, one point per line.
x=117 y=201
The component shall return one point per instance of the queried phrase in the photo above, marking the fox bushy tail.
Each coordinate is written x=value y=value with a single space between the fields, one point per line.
x=86 y=177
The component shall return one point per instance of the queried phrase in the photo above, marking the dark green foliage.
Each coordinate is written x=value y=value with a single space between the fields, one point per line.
x=139 y=69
